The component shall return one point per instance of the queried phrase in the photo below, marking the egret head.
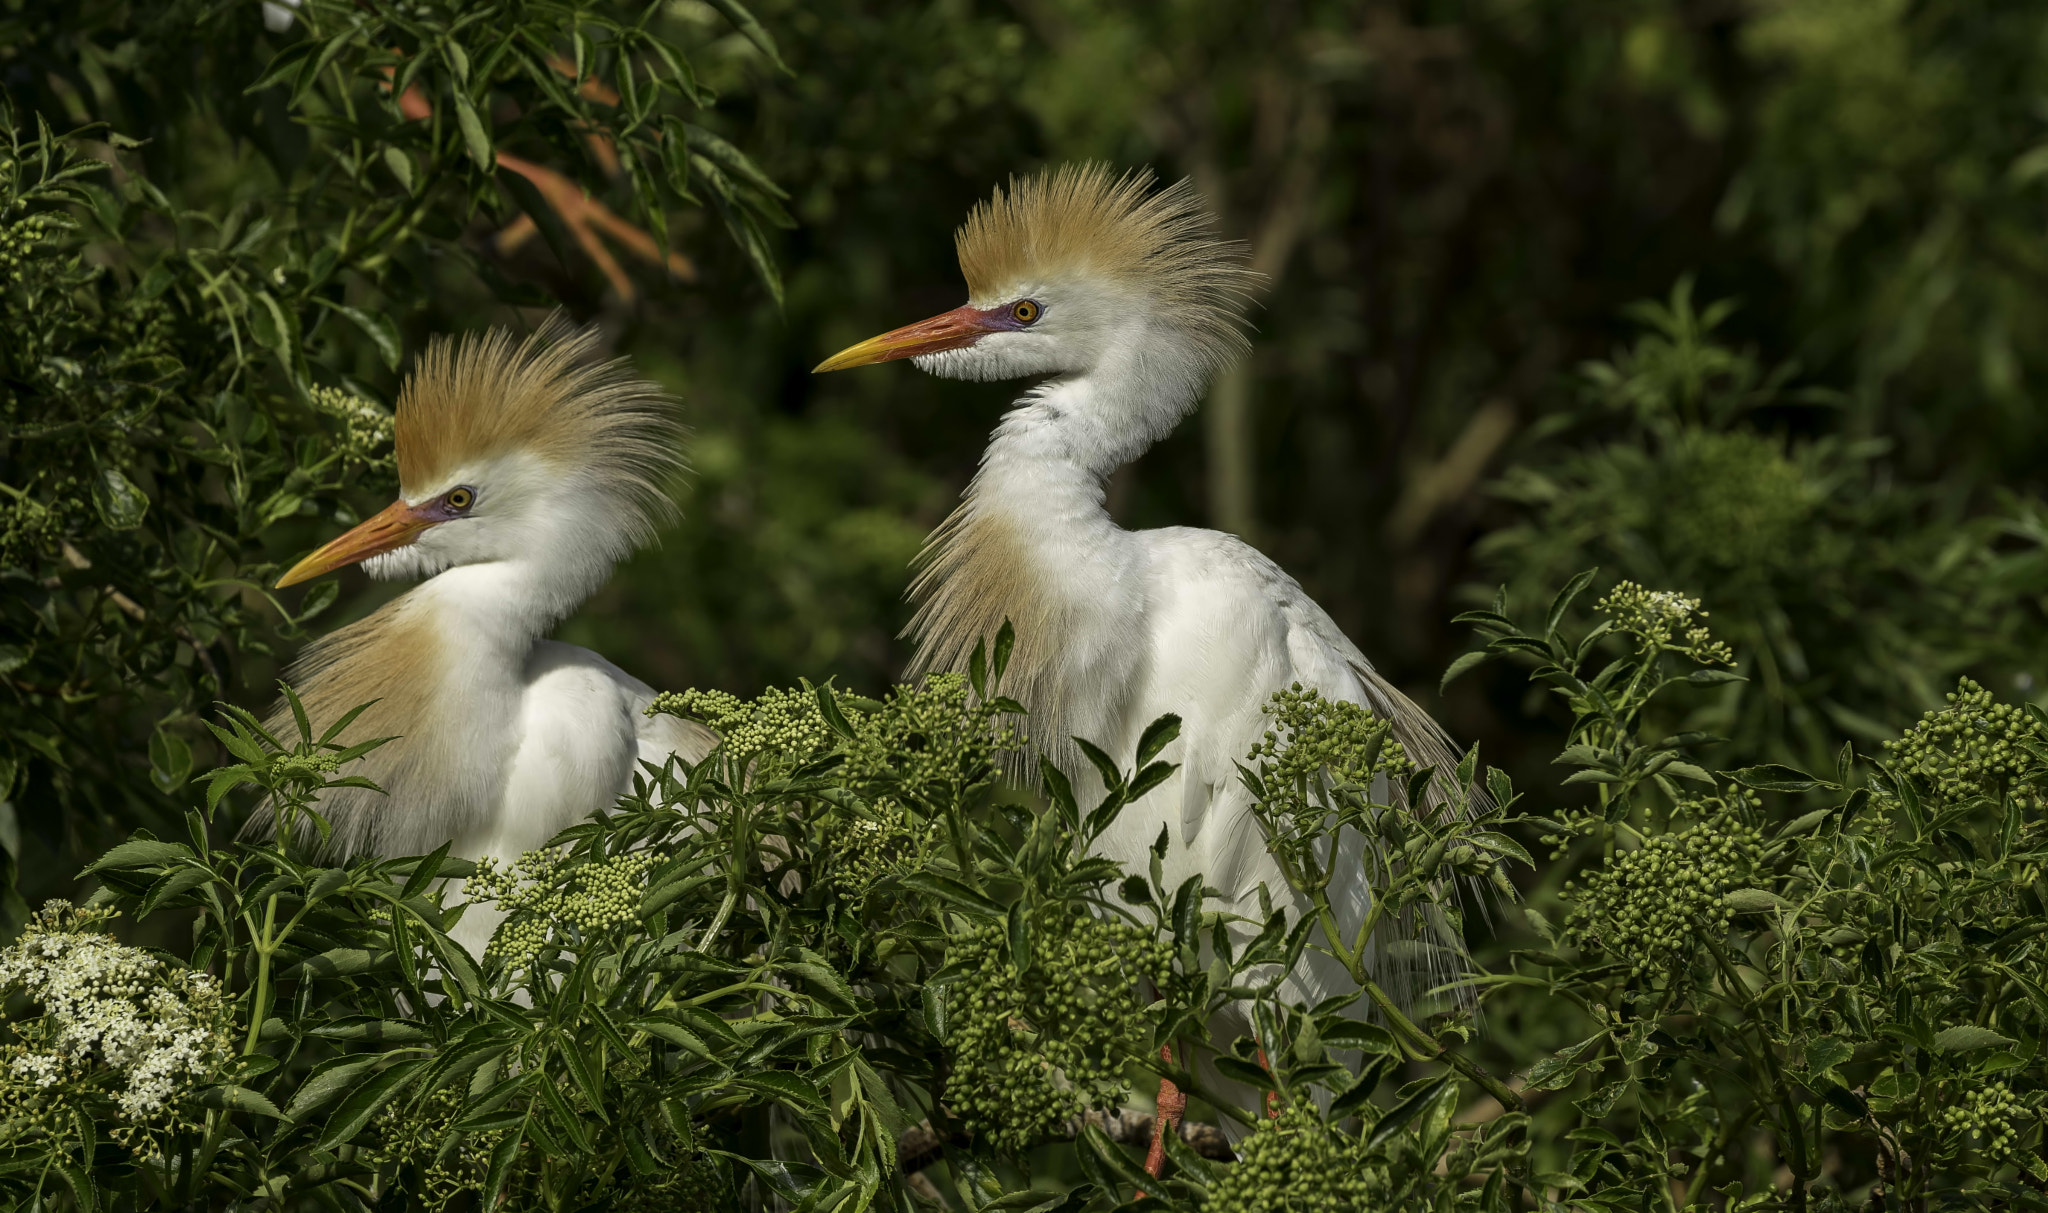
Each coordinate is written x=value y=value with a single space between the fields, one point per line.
x=517 y=452
x=1077 y=267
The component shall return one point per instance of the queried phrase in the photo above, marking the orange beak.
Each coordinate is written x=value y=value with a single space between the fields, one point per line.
x=398 y=525
x=957 y=329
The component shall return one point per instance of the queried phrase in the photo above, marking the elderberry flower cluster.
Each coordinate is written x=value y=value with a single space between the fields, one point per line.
x=1650 y=907
x=1973 y=747
x=1313 y=738
x=27 y=526
x=366 y=427
x=1296 y=1163
x=930 y=742
x=869 y=848
x=1034 y=1049
x=545 y=897
x=1992 y=1115
x=776 y=732
x=1663 y=620
x=109 y=1009
x=20 y=239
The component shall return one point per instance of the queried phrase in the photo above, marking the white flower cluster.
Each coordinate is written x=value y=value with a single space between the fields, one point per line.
x=107 y=1004
x=367 y=428
x=1659 y=619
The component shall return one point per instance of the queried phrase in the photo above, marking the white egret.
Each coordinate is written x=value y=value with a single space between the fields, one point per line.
x=1129 y=304
x=525 y=473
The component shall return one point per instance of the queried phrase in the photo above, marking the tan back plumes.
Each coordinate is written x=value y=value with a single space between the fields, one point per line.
x=478 y=396
x=1084 y=219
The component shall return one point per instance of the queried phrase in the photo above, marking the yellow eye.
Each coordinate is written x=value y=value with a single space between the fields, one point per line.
x=1025 y=311
x=460 y=499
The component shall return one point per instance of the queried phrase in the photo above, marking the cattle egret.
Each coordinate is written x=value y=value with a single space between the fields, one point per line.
x=1129 y=304
x=525 y=474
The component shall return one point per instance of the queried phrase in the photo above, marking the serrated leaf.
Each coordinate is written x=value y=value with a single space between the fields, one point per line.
x=140 y=853
x=1964 y=1037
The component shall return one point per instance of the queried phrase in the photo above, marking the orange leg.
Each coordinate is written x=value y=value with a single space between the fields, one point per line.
x=1272 y=1097
x=1166 y=1115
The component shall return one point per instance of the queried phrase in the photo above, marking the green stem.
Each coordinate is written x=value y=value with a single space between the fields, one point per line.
x=1420 y=1042
x=265 y=945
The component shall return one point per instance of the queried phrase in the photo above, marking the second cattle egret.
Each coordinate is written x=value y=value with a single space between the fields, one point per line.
x=1127 y=302
x=525 y=474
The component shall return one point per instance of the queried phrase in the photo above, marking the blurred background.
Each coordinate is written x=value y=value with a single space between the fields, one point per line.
x=1743 y=298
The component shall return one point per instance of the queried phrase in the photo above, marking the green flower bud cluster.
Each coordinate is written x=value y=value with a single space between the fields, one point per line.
x=1651 y=906
x=366 y=428
x=20 y=241
x=1313 y=736
x=776 y=732
x=931 y=742
x=1033 y=1050
x=1295 y=1163
x=1663 y=620
x=1992 y=1115
x=866 y=850
x=27 y=526
x=1973 y=747
x=550 y=901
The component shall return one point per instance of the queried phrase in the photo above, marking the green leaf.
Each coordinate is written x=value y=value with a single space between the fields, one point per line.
x=120 y=504
x=1753 y=901
x=1560 y=604
x=1116 y=1159
x=362 y=1106
x=140 y=853
x=1465 y=663
x=1020 y=937
x=828 y=708
x=474 y=138
x=752 y=30
x=239 y=1099
x=326 y=1085
x=1827 y=1052
x=675 y=1033
x=1156 y=737
x=1500 y=844
x=1774 y=777
x=1404 y=1115
x=379 y=327
x=785 y=1088
x=170 y=762
x=1686 y=770
x=1965 y=1037
x=1707 y=678
x=945 y=888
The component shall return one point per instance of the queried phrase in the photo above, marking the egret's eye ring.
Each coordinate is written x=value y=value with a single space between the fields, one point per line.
x=1025 y=311
x=460 y=498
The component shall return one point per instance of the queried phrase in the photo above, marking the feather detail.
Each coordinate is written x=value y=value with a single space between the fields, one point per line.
x=392 y=660
x=972 y=576
x=1085 y=220
x=479 y=396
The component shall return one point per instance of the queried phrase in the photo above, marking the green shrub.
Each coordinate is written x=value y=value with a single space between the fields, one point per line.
x=697 y=1001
